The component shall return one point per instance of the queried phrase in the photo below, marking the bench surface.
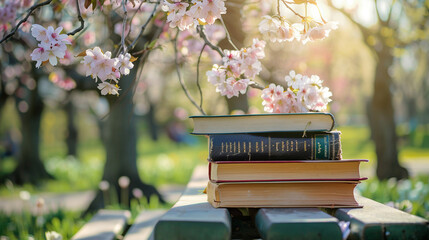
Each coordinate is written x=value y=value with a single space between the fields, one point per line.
x=106 y=224
x=142 y=228
x=192 y=217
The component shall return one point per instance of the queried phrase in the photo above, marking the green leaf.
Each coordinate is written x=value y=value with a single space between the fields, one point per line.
x=152 y=44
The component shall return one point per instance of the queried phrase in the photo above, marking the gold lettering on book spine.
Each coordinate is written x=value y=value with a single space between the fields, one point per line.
x=287 y=145
x=244 y=147
x=262 y=146
x=230 y=147
x=283 y=146
x=296 y=144
x=235 y=147
x=222 y=151
x=238 y=147
x=277 y=146
x=312 y=148
x=256 y=146
x=291 y=145
x=269 y=146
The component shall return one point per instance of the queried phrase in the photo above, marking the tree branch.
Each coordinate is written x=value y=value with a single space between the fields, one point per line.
x=79 y=17
x=227 y=34
x=30 y=11
x=257 y=86
x=203 y=35
x=287 y=5
x=133 y=44
x=390 y=11
x=365 y=31
x=198 y=75
x=188 y=95
x=124 y=26
x=381 y=22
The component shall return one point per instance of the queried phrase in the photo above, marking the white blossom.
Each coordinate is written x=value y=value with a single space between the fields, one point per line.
x=108 y=88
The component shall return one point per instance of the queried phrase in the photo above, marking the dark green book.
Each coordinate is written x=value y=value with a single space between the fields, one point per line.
x=275 y=146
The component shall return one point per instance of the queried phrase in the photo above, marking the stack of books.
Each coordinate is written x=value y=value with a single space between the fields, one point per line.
x=277 y=160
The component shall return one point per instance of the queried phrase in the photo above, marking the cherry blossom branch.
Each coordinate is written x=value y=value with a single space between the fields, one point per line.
x=278 y=7
x=124 y=24
x=257 y=86
x=79 y=17
x=203 y=35
x=30 y=11
x=198 y=75
x=227 y=34
x=138 y=8
x=133 y=44
x=320 y=13
x=182 y=84
x=287 y=5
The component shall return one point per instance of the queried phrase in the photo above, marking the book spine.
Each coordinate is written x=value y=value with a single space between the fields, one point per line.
x=260 y=147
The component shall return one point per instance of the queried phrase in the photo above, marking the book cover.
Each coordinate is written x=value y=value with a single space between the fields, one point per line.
x=301 y=170
x=328 y=194
x=275 y=146
x=257 y=123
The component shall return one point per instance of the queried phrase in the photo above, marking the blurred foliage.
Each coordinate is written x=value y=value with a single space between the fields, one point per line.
x=410 y=195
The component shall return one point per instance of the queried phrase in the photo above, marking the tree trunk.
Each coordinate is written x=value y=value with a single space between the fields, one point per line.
x=30 y=168
x=121 y=146
x=3 y=96
x=72 y=133
x=233 y=23
x=238 y=103
x=382 y=123
x=151 y=120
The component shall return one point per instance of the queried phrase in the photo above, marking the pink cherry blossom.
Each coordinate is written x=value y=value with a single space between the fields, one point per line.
x=212 y=10
x=294 y=80
x=184 y=15
x=303 y=94
x=39 y=32
x=124 y=64
x=52 y=44
x=319 y=32
x=39 y=55
x=102 y=67
x=108 y=88
x=276 y=29
x=238 y=70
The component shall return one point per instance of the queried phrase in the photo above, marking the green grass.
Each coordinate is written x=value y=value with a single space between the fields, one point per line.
x=35 y=224
x=25 y=225
x=161 y=162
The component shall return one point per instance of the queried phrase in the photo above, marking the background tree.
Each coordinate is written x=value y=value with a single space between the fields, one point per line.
x=382 y=38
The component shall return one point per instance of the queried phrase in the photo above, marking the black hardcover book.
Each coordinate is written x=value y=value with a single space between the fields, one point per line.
x=275 y=146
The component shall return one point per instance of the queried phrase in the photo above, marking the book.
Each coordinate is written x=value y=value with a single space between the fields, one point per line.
x=259 y=171
x=256 y=123
x=275 y=146
x=327 y=194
